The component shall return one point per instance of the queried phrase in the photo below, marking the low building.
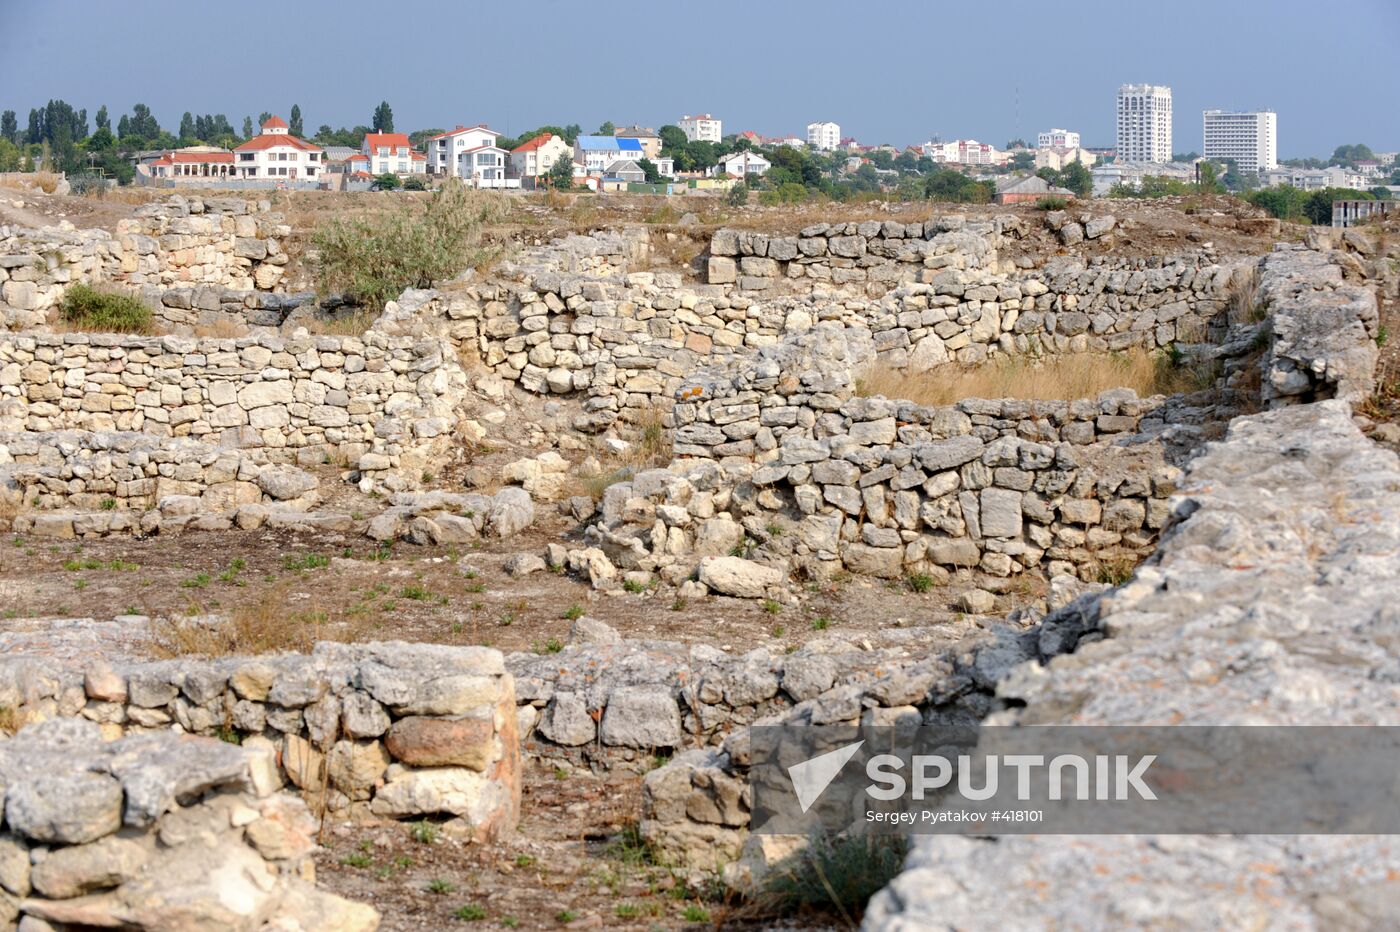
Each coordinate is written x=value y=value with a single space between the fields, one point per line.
x=626 y=170
x=444 y=148
x=485 y=167
x=701 y=128
x=1313 y=179
x=276 y=155
x=598 y=152
x=651 y=142
x=193 y=165
x=1029 y=189
x=1057 y=159
x=665 y=166
x=1057 y=139
x=963 y=152
x=535 y=157
x=1107 y=177
x=742 y=164
x=392 y=154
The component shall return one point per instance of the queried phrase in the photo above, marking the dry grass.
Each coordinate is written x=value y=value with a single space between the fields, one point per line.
x=11 y=720
x=1061 y=378
x=261 y=627
x=351 y=324
x=1242 y=304
x=650 y=448
x=29 y=181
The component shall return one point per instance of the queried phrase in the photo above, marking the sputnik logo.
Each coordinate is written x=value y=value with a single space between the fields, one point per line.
x=811 y=777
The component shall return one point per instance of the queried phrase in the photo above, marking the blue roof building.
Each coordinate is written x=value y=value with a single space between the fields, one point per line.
x=598 y=152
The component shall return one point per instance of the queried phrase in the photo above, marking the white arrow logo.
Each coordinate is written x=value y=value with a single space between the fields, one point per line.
x=811 y=777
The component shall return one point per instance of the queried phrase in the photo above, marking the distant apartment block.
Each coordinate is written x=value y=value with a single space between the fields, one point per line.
x=963 y=152
x=1312 y=179
x=1144 y=123
x=1057 y=139
x=1250 y=138
x=824 y=136
x=701 y=128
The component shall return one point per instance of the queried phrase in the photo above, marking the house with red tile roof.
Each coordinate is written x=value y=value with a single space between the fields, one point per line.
x=193 y=165
x=276 y=155
x=535 y=157
x=392 y=153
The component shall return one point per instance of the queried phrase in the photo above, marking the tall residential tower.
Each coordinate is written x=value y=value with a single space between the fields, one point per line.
x=1251 y=138
x=1144 y=123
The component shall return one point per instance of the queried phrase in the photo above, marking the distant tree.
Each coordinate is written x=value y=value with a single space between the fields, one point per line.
x=1023 y=161
x=1381 y=193
x=103 y=121
x=383 y=121
x=1017 y=143
x=607 y=129
x=415 y=183
x=263 y=117
x=738 y=195
x=143 y=122
x=123 y=126
x=9 y=127
x=35 y=133
x=1185 y=156
x=388 y=181
x=561 y=173
x=1350 y=155
x=947 y=184
x=1077 y=178
x=1284 y=202
x=322 y=131
x=648 y=167
x=248 y=127
x=187 y=133
x=1208 y=179
x=294 y=121
x=420 y=136
x=571 y=133
x=101 y=140
x=672 y=139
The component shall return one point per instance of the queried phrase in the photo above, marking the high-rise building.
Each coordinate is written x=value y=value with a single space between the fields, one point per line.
x=701 y=128
x=824 y=136
x=1057 y=139
x=1250 y=138
x=1144 y=123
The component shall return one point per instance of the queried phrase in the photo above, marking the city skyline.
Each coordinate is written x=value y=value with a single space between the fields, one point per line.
x=1016 y=83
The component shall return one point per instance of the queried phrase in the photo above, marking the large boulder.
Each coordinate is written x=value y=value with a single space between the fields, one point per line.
x=743 y=579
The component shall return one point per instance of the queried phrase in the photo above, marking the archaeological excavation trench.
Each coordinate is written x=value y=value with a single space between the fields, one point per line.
x=748 y=440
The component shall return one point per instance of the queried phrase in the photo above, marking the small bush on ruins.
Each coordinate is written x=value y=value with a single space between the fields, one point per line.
x=373 y=259
x=1052 y=203
x=837 y=875
x=87 y=308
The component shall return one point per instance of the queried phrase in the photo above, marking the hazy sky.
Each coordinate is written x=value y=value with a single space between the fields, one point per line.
x=890 y=71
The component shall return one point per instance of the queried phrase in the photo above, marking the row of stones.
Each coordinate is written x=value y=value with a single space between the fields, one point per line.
x=368 y=401
x=391 y=730
x=153 y=831
x=132 y=471
x=223 y=243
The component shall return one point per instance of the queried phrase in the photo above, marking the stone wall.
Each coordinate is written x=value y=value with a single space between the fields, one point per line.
x=228 y=243
x=155 y=832
x=121 y=471
x=384 y=404
x=389 y=730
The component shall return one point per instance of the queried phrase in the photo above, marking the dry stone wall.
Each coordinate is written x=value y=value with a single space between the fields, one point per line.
x=387 y=730
x=228 y=243
x=155 y=831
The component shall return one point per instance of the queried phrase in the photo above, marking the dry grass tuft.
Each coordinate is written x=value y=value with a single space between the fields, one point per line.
x=28 y=181
x=261 y=627
x=1242 y=304
x=353 y=323
x=1060 y=378
x=11 y=720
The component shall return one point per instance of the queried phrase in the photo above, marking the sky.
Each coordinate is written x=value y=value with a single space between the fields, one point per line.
x=898 y=71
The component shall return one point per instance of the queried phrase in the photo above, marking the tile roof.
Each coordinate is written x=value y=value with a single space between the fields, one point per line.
x=530 y=145
x=193 y=158
x=375 y=140
x=466 y=129
x=272 y=140
x=274 y=122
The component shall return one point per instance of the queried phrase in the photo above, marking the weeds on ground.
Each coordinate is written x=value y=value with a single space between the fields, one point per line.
x=87 y=308
x=836 y=875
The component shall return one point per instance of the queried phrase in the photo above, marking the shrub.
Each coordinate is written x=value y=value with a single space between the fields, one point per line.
x=414 y=183
x=88 y=308
x=1052 y=203
x=373 y=259
x=838 y=874
x=738 y=195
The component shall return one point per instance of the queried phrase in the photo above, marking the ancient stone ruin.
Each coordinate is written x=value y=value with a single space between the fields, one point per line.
x=1223 y=554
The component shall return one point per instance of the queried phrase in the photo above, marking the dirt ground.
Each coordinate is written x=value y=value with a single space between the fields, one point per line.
x=574 y=863
x=348 y=587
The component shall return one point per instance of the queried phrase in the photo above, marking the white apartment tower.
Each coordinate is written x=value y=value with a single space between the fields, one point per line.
x=1144 y=123
x=701 y=128
x=1057 y=139
x=1251 y=139
x=824 y=136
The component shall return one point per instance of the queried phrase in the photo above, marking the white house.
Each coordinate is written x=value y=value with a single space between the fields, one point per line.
x=598 y=152
x=390 y=153
x=962 y=151
x=701 y=128
x=535 y=157
x=1057 y=139
x=1312 y=179
x=825 y=137
x=742 y=164
x=276 y=155
x=444 y=148
x=485 y=167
